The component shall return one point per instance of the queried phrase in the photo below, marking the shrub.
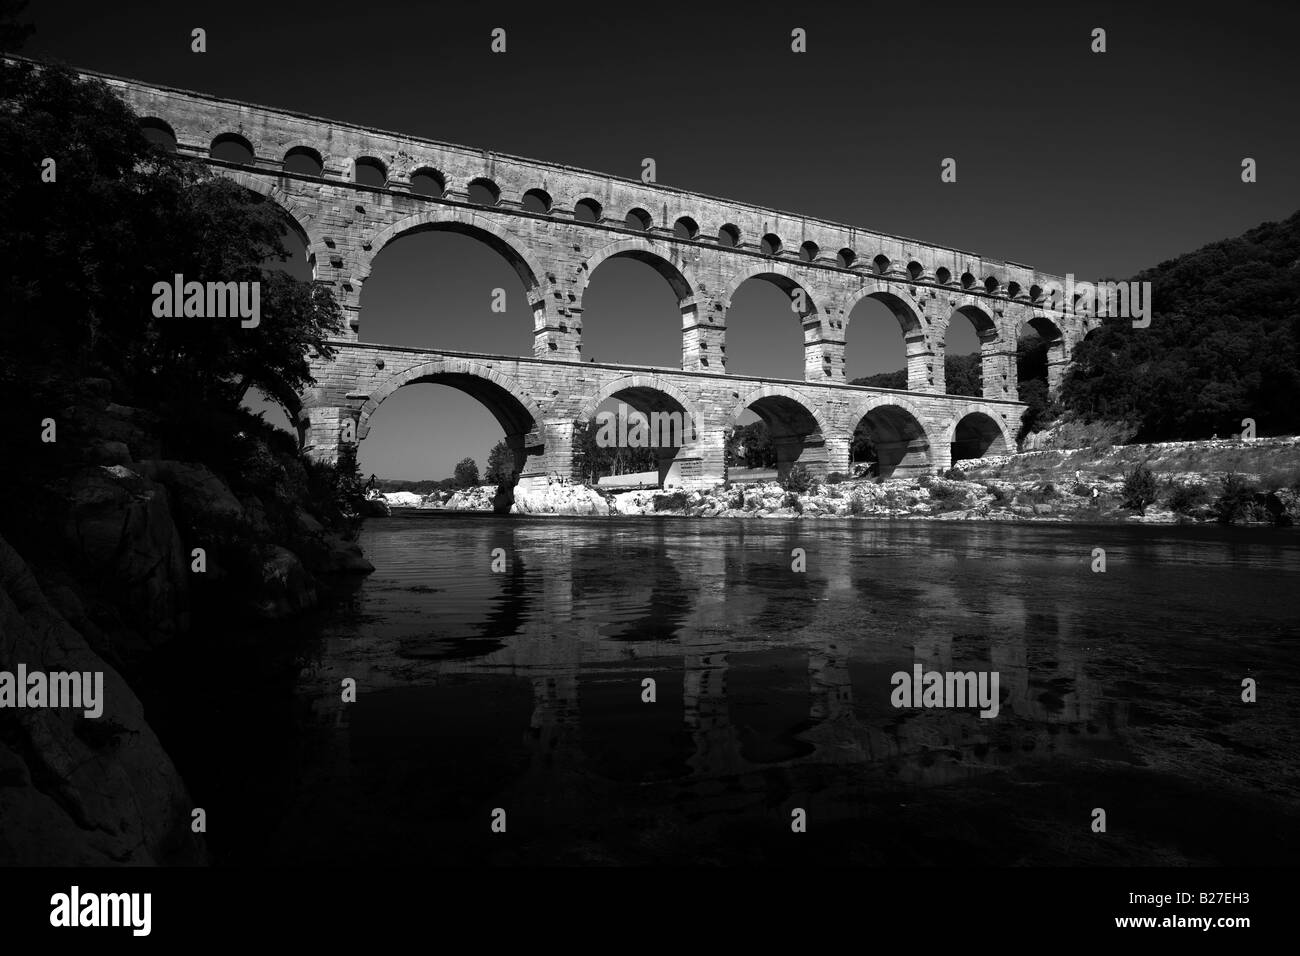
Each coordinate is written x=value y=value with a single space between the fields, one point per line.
x=925 y=481
x=1236 y=502
x=856 y=505
x=948 y=498
x=791 y=500
x=945 y=492
x=673 y=502
x=836 y=477
x=955 y=474
x=1278 y=478
x=1139 y=489
x=1184 y=499
x=1039 y=495
x=798 y=480
x=999 y=494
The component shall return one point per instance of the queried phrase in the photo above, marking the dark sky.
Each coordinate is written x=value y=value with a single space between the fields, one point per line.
x=1070 y=161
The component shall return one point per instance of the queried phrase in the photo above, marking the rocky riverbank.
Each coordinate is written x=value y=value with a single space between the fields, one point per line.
x=119 y=552
x=1081 y=485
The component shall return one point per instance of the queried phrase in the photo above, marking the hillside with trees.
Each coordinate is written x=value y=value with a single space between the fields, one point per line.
x=1223 y=345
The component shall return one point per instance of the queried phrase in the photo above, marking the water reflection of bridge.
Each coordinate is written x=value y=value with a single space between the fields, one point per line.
x=759 y=667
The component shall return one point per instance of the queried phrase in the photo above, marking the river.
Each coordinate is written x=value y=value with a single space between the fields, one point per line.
x=517 y=694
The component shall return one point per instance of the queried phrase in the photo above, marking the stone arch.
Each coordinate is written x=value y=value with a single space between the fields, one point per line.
x=157 y=124
x=512 y=407
x=653 y=397
x=298 y=215
x=1056 y=335
x=761 y=392
x=978 y=312
x=796 y=427
x=466 y=222
x=476 y=226
x=311 y=149
x=692 y=216
x=809 y=321
x=240 y=138
x=1042 y=322
x=905 y=306
x=660 y=256
x=924 y=373
x=979 y=425
x=997 y=342
x=784 y=276
x=641 y=384
x=903 y=443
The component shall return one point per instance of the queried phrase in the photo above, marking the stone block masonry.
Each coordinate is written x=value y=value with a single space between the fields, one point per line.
x=556 y=224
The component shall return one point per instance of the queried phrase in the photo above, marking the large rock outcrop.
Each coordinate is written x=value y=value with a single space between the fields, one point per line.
x=79 y=791
x=120 y=524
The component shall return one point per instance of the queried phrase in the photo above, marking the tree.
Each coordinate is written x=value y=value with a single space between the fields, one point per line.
x=896 y=380
x=862 y=448
x=83 y=255
x=84 y=242
x=500 y=464
x=756 y=442
x=1223 y=344
x=466 y=473
x=595 y=461
x=962 y=376
x=1139 y=489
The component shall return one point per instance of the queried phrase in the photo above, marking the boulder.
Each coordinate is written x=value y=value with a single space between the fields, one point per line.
x=286 y=588
x=77 y=791
x=202 y=495
x=403 y=499
x=560 y=499
x=122 y=524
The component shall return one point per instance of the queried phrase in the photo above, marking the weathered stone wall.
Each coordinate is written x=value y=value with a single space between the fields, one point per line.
x=539 y=403
x=826 y=268
x=346 y=225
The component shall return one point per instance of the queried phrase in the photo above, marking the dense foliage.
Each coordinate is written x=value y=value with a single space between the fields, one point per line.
x=594 y=461
x=1223 y=345
x=85 y=240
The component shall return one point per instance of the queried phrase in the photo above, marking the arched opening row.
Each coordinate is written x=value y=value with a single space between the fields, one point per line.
x=372 y=172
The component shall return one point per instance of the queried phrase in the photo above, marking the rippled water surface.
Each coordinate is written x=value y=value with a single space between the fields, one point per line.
x=522 y=690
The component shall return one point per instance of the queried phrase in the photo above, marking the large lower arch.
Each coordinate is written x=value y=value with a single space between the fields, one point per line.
x=512 y=407
x=796 y=428
x=978 y=431
x=674 y=421
x=514 y=410
x=468 y=223
x=924 y=372
x=895 y=426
